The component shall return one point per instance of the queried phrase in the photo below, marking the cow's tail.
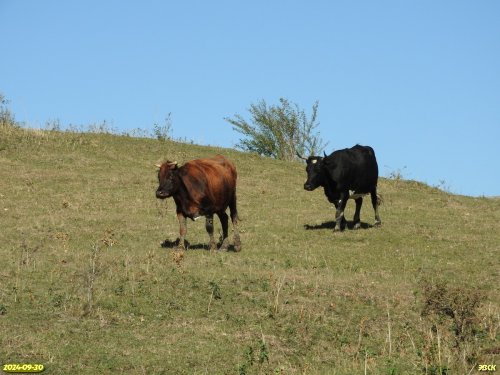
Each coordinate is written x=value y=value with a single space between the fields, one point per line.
x=233 y=208
x=238 y=216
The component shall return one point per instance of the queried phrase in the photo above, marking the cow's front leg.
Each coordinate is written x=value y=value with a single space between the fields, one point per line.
x=336 y=204
x=339 y=213
x=209 y=226
x=182 y=230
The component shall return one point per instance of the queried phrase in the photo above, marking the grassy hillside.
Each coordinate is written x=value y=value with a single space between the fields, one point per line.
x=86 y=288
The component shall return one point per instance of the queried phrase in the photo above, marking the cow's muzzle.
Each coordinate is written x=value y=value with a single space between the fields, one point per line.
x=160 y=194
x=308 y=187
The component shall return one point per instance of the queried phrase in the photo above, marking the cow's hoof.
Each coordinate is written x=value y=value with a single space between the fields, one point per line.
x=237 y=242
x=377 y=223
x=225 y=244
x=212 y=246
x=357 y=225
x=181 y=245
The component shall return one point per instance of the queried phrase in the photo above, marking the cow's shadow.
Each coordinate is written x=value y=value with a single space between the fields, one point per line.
x=331 y=225
x=168 y=244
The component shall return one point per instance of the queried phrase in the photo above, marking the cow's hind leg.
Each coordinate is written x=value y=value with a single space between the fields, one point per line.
x=357 y=221
x=234 y=218
x=375 y=204
x=209 y=226
x=224 y=222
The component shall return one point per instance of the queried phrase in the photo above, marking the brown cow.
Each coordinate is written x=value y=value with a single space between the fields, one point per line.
x=202 y=187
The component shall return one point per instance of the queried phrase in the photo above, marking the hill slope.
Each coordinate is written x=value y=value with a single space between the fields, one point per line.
x=86 y=288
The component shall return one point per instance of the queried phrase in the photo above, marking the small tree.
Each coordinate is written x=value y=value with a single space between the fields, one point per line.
x=279 y=131
x=6 y=117
x=163 y=133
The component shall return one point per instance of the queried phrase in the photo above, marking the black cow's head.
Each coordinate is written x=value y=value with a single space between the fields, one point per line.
x=167 y=178
x=314 y=171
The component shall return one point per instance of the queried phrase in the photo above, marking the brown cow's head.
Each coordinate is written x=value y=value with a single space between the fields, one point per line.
x=167 y=178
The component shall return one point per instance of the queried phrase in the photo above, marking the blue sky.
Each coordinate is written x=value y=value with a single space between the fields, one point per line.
x=419 y=81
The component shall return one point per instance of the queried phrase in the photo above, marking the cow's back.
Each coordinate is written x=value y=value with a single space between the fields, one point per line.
x=353 y=168
x=210 y=180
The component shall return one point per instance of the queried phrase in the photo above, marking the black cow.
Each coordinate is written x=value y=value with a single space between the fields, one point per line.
x=353 y=170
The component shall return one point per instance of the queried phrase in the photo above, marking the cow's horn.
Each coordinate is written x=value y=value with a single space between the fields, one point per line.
x=158 y=165
x=300 y=156
x=172 y=163
x=324 y=153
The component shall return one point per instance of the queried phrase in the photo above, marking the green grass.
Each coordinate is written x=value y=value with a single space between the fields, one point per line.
x=86 y=288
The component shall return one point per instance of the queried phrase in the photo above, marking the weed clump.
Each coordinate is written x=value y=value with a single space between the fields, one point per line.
x=452 y=312
x=251 y=357
x=456 y=303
